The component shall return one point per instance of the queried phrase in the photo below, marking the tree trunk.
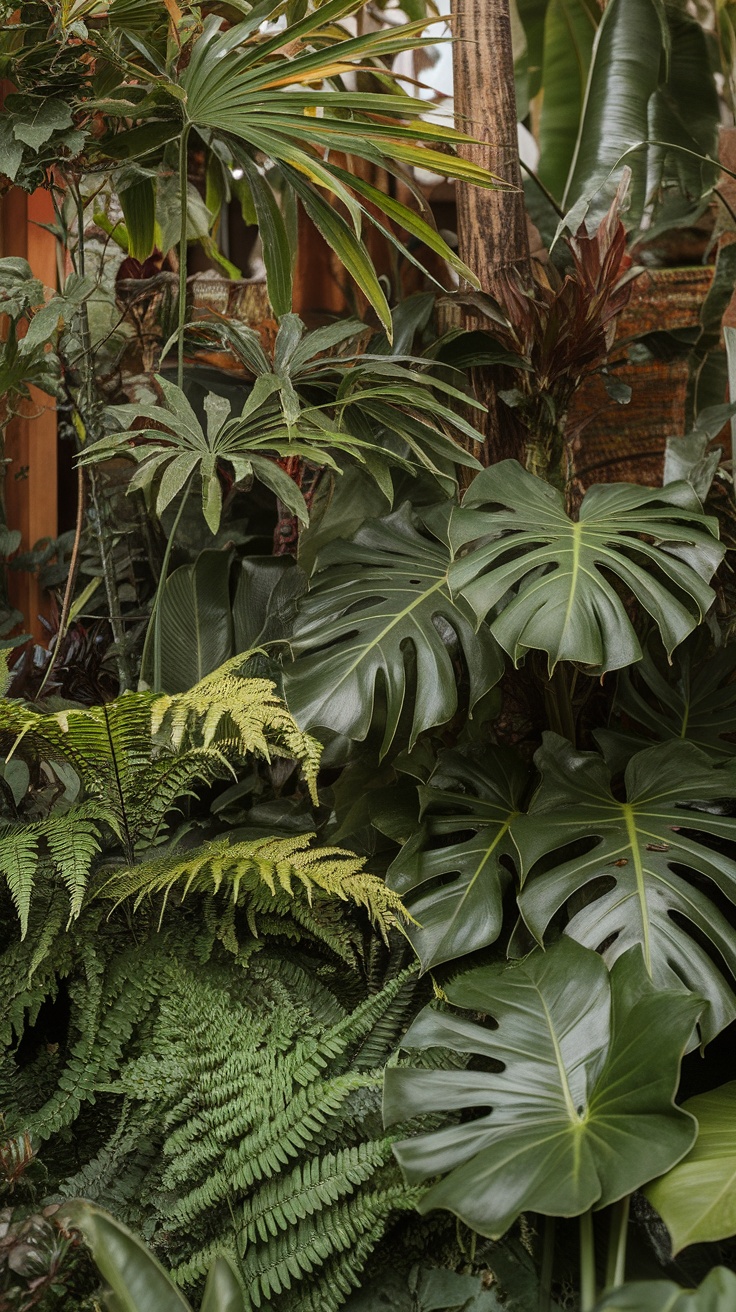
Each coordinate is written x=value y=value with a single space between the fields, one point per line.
x=492 y=225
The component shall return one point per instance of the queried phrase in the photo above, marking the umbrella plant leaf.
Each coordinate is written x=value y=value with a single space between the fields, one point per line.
x=453 y=872
x=651 y=871
x=557 y=576
x=371 y=600
x=696 y=1199
x=577 y=1109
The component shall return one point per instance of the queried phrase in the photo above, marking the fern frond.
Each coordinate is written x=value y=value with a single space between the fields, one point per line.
x=309 y=1187
x=273 y=865
x=246 y=714
x=70 y=840
x=301 y=1249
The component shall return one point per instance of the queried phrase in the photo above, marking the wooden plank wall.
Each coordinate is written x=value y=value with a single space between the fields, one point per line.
x=31 y=442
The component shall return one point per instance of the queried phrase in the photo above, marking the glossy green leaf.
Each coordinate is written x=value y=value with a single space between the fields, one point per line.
x=569 y=32
x=222 y=1291
x=196 y=626
x=452 y=874
x=578 y=1107
x=379 y=618
x=556 y=576
x=697 y=1198
x=652 y=871
x=716 y=1294
x=138 y=1282
x=138 y=203
x=264 y=601
x=684 y=111
x=693 y=700
x=624 y=75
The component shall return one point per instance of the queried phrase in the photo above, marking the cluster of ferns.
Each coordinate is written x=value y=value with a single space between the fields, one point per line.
x=192 y=1033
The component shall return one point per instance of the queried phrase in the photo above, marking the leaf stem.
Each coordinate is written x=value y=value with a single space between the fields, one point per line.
x=548 y=1262
x=184 y=229
x=588 y=1292
x=558 y=700
x=616 y=1265
x=86 y=412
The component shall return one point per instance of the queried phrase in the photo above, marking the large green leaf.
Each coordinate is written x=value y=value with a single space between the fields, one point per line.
x=684 y=111
x=716 y=1294
x=697 y=1198
x=624 y=75
x=693 y=700
x=569 y=32
x=196 y=626
x=553 y=574
x=452 y=873
x=378 y=620
x=577 y=1109
x=647 y=873
x=138 y=1282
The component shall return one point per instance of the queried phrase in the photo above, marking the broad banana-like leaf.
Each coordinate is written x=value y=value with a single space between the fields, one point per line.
x=556 y=575
x=137 y=1280
x=196 y=624
x=577 y=1109
x=222 y=1291
x=684 y=111
x=452 y=883
x=651 y=867
x=716 y=1294
x=138 y=203
x=650 y=85
x=696 y=1199
x=624 y=75
x=377 y=604
x=694 y=701
x=569 y=32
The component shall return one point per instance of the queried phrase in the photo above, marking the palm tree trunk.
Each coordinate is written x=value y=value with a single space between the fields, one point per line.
x=492 y=225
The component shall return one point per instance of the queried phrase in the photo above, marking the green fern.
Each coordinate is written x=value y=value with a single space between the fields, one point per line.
x=258 y=873
x=137 y=759
x=242 y=715
x=220 y=1104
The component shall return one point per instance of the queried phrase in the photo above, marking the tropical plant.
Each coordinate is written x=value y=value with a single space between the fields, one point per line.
x=133 y=1274
x=633 y=86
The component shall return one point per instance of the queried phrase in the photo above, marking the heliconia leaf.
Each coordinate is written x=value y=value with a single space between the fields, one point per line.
x=138 y=203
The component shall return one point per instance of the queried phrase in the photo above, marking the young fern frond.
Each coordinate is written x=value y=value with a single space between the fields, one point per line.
x=272 y=865
x=244 y=715
x=137 y=758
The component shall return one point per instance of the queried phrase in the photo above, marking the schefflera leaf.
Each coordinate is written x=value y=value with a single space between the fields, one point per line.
x=555 y=576
x=578 y=1107
x=375 y=604
x=452 y=874
x=651 y=867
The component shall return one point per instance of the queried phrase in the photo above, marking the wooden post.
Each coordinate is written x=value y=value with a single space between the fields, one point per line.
x=492 y=225
x=30 y=446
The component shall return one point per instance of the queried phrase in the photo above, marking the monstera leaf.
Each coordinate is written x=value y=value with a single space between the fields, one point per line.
x=648 y=873
x=556 y=575
x=375 y=604
x=577 y=1109
x=716 y=1294
x=451 y=875
x=695 y=701
x=697 y=1198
